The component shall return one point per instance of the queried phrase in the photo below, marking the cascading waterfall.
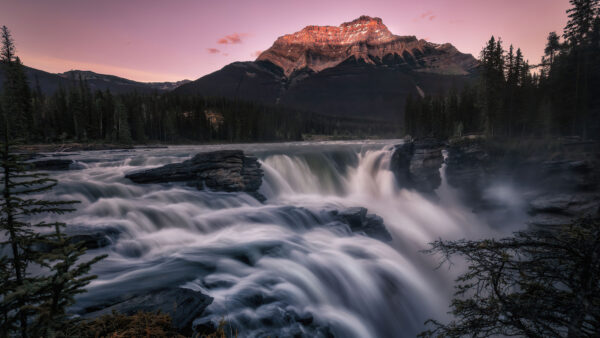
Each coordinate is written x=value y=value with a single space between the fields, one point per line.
x=284 y=267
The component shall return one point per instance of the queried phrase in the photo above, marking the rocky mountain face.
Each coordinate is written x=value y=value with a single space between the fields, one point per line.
x=317 y=48
x=357 y=69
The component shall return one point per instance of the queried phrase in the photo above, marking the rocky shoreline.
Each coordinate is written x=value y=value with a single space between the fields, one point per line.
x=563 y=178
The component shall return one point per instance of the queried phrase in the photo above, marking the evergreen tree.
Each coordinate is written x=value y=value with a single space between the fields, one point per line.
x=552 y=46
x=581 y=17
x=542 y=283
x=25 y=297
x=16 y=98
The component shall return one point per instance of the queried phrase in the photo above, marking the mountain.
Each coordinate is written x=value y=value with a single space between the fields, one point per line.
x=50 y=82
x=357 y=69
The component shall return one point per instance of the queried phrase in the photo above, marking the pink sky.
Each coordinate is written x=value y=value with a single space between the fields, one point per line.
x=159 y=40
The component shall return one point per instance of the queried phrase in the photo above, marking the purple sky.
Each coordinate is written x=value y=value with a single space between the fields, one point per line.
x=159 y=40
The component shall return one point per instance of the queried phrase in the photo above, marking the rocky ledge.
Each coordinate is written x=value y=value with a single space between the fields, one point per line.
x=54 y=164
x=360 y=222
x=223 y=170
x=183 y=305
x=416 y=164
x=562 y=178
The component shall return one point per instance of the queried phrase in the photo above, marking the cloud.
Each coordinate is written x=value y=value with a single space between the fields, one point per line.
x=427 y=16
x=231 y=38
x=256 y=53
x=213 y=50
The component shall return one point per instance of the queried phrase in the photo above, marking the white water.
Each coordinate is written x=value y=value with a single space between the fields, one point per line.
x=270 y=267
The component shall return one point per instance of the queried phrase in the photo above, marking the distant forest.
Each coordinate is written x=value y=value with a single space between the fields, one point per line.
x=561 y=97
x=76 y=113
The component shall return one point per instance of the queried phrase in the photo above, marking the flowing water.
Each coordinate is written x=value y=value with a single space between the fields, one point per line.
x=285 y=266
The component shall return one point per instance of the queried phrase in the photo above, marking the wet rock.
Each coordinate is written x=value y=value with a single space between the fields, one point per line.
x=54 y=164
x=183 y=305
x=359 y=221
x=93 y=238
x=565 y=204
x=224 y=170
x=575 y=175
x=467 y=167
x=416 y=164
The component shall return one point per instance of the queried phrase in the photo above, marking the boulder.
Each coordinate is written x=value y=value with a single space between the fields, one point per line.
x=361 y=222
x=223 y=170
x=416 y=164
x=90 y=237
x=93 y=238
x=54 y=164
x=183 y=305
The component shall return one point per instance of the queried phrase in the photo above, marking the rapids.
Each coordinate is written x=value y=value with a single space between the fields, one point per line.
x=283 y=267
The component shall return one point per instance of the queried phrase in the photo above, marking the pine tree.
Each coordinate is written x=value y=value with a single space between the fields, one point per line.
x=581 y=16
x=26 y=298
x=552 y=46
x=16 y=98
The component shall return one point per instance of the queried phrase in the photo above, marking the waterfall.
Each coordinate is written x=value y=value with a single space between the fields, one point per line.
x=284 y=267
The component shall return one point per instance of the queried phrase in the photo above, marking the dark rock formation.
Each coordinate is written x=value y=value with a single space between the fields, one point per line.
x=359 y=221
x=183 y=305
x=416 y=164
x=54 y=164
x=563 y=179
x=467 y=167
x=549 y=209
x=90 y=237
x=93 y=237
x=224 y=170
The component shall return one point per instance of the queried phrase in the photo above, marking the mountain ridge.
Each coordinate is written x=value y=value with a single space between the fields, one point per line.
x=357 y=69
x=51 y=82
x=366 y=38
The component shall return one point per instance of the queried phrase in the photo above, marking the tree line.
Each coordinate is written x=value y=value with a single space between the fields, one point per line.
x=509 y=100
x=76 y=113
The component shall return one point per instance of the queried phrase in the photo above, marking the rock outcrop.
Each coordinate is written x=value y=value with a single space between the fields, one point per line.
x=55 y=164
x=562 y=180
x=223 y=170
x=183 y=305
x=416 y=164
x=360 y=222
x=467 y=167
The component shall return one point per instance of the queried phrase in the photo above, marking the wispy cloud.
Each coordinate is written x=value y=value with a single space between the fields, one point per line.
x=428 y=15
x=231 y=38
x=213 y=50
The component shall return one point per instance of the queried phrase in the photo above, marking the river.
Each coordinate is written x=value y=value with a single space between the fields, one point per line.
x=285 y=266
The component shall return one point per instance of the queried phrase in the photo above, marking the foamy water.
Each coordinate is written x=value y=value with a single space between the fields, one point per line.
x=285 y=266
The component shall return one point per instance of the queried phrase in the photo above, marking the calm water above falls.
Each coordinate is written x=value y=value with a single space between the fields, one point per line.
x=271 y=267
